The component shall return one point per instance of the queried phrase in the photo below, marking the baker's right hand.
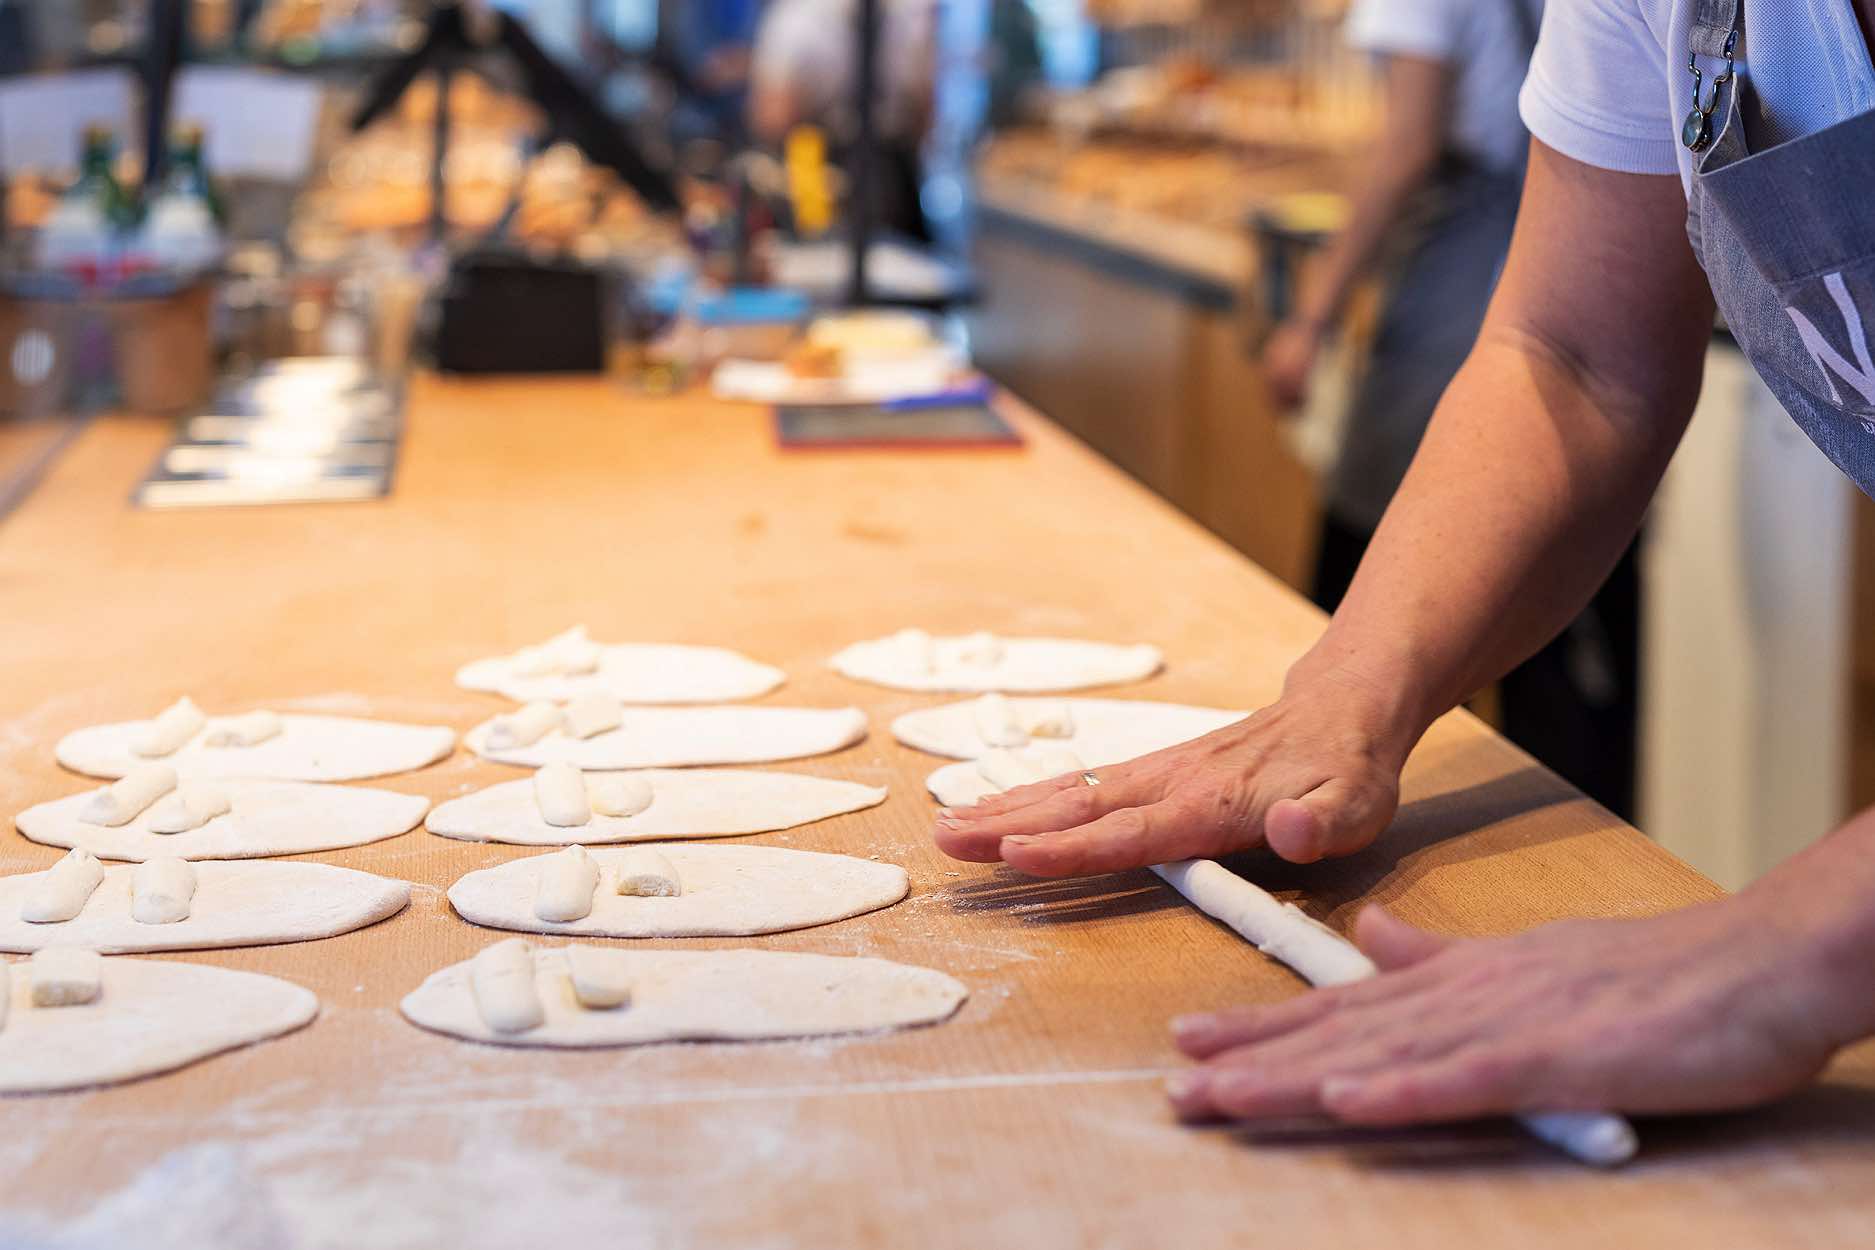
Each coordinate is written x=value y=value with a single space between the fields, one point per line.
x=1313 y=775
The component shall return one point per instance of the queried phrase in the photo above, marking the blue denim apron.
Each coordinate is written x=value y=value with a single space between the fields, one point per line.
x=1787 y=239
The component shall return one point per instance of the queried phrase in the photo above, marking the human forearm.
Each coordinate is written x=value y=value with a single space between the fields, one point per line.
x=1530 y=482
x=1820 y=904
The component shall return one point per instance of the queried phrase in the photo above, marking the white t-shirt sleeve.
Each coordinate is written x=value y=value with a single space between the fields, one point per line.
x=1426 y=28
x=1598 y=91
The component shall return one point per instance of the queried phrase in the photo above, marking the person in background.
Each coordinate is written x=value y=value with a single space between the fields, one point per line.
x=711 y=42
x=803 y=71
x=1432 y=216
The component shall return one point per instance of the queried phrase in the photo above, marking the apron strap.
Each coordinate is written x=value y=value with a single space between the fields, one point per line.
x=1715 y=22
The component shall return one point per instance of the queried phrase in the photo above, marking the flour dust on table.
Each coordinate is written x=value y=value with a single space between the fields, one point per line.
x=571 y=666
x=604 y=808
x=69 y=1020
x=974 y=663
x=258 y=745
x=667 y=737
x=586 y=996
x=172 y=904
x=134 y=818
x=1101 y=731
x=701 y=891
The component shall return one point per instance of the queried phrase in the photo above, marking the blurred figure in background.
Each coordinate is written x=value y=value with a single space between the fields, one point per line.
x=1433 y=218
x=712 y=41
x=804 y=67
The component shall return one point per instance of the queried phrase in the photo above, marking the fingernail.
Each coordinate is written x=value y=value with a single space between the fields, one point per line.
x=1186 y=1027
x=1336 y=1089
x=1022 y=839
x=1183 y=1086
x=945 y=813
x=949 y=822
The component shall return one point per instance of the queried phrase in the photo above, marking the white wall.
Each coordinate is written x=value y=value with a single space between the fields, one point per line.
x=1745 y=644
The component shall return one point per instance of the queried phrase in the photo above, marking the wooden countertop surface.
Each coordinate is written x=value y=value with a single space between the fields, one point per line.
x=1033 y=1118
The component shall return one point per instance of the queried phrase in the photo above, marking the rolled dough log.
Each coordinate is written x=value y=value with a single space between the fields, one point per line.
x=189 y=807
x=564 y=884
x=680 y=737
x=265 y=818
x=728 y=891
x=632 y=673
x=151 y=1016
x=525 y=727
x=734 y=995
x=307 y=748
x=60 y=892
x=560 y=796
x=981 y=662
x=161 y=891
x=621 y=794
x=247 y=730
x=501 y=980
x=641 y=871
x=685 y=803
x=1100 y=731
x=130 y=795
x=65 y=976
x=169 y=729
x=601 y=979
x=252 y=903
x=593 y=714
x=1323 y=957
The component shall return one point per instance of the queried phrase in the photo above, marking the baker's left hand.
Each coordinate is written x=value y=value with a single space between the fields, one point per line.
x=1724 y=1005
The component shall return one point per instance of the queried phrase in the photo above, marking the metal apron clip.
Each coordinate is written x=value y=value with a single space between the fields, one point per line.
x=1696 y=133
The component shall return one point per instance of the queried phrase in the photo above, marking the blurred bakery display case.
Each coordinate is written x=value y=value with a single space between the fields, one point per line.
x=1134 y=238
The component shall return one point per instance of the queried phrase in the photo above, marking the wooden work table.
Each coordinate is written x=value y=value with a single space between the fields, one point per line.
x=1033 y=1118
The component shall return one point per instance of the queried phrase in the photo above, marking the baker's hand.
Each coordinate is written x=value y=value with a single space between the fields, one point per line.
x=1313 y=775
x=1719 y=1006
x=1288 y=361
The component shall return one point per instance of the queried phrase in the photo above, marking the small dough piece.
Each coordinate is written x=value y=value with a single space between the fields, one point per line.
x=981 y=649
x=1006 y=770
x=525 y=727
x=560 y=794
x=124 y=799
x=592 y=714
x=997 y=724
x=621 y=796
x=189 y=807
x=643 y=873
x=244 y=731
x=1052 y=718
x=64 y=890
x=161 y=891
x=916 y=649
x=170 y=731
x=571 y=654
x=502 y=981
x=563 y=891
x=66 y=976
x=601 y=978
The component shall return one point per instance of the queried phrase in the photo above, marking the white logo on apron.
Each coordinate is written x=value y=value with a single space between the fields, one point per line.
x=1861 y=374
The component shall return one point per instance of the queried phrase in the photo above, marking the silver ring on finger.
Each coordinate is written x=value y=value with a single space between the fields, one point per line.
x=1089 y=779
